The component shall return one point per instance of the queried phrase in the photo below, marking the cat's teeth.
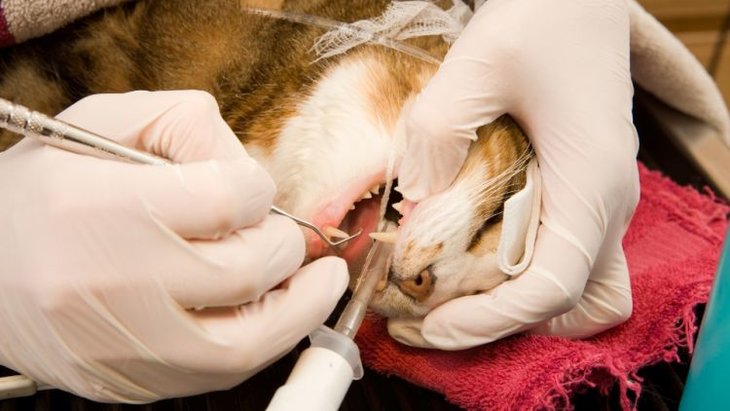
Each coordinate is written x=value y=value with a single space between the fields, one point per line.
x=375 y=189
x=366 y=196
x=382 y=283
x=333 y=232
x=352 y=207
x=398 y=207
x=385 y=237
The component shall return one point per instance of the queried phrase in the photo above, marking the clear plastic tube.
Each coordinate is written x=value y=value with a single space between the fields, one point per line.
x=376 y=265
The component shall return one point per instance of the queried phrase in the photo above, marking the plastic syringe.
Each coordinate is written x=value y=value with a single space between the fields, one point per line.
x=324 y=371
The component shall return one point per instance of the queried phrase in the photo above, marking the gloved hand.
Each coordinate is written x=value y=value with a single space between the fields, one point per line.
x=561 y=69
x=104 y=261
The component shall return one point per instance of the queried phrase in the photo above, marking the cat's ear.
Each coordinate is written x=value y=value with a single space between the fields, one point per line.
x=519 y=224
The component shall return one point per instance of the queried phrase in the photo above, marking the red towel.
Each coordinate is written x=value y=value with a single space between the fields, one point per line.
x=672 y=247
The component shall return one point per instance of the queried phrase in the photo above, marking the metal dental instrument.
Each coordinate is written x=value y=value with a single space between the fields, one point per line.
x=373 y=270
x=314 y=228
x=324 y=371
x=21 y=120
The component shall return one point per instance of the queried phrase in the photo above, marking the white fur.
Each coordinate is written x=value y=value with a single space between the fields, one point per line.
x=438 y=234
x=449 y=219
x=338 y=119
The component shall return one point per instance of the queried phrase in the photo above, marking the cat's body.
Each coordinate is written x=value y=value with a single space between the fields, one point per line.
x=326 y=131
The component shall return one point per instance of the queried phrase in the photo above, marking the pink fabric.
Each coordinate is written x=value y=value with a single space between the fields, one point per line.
x=6 y=37
x=672 y=247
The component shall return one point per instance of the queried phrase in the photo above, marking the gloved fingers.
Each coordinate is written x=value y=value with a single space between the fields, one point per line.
x=130 y=357
x=407 y=330
x=429 y=167
x=202 y=200
x=558 y=70
x=606 y=300
x=581 y=214
x=180 y=125
x=130 y=343
x=476 y=84
x=601 y=307
x=465 y=94
x=550 y=286
x=252 y=335
x=590 y=189
x=241 y=267
x=521 y=58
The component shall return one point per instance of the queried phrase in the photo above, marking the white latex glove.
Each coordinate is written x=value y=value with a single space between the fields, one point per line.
x=561 y=69
x=103 y=260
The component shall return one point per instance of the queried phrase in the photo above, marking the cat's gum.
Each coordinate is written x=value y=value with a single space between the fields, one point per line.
x=333 y=212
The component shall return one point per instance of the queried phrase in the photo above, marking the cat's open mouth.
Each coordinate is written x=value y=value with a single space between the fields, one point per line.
x=353 y=210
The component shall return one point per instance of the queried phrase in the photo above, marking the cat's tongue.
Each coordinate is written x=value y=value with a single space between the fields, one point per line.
x=365 y=218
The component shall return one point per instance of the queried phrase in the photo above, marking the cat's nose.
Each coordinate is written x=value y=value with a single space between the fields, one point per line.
x=419 y=287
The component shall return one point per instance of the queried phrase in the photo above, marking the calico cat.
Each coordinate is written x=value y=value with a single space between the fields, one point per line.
x=325 y=130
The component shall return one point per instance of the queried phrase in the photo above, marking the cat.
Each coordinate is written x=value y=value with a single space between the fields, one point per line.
x=325 y=130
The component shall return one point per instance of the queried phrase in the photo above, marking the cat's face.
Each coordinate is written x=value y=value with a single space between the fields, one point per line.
x=447 y=245
x=331 y=161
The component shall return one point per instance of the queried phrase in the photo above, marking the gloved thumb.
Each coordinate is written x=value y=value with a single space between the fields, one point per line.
x=407 y=330
x=463 y=95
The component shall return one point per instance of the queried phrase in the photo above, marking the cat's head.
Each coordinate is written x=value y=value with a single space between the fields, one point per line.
x=331 y=159
x=331 y=162
x=447 y=245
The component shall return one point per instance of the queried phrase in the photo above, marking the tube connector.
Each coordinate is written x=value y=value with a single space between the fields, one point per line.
x=322 y=375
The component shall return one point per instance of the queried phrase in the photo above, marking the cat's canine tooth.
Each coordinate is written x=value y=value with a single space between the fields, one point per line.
x=398 y=207
x=385 y=237
x=333 y=232
x=375 y=189
x=382 y=283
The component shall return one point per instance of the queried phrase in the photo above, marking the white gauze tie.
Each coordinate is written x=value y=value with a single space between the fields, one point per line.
x=402 y=20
